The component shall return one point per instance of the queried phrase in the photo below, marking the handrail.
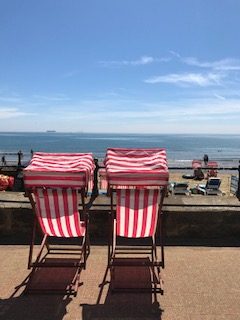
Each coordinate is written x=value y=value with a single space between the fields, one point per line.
x=20 y=166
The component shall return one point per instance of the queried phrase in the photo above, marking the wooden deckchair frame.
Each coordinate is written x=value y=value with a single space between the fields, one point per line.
x=82 y=251
x=155 y=264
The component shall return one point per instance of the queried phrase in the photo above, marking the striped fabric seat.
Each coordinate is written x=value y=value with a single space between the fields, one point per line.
x=136 y=167
x=62 y=170
x=136 y=213
x=57 y=212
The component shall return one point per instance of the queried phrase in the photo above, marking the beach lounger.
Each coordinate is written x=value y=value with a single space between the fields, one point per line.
x=211 y=187
x=138 y=180
x=180 y=188
x=56 y=183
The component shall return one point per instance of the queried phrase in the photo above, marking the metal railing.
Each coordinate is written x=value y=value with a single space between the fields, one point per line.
x=18 y=165
x=13 y=158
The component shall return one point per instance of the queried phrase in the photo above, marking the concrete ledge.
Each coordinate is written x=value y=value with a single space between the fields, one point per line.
x=188 y=217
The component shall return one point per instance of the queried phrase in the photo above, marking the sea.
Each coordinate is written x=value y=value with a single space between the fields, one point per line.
x=181 y=148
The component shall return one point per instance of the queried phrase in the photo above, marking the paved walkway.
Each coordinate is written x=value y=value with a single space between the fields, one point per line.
x=200 y=283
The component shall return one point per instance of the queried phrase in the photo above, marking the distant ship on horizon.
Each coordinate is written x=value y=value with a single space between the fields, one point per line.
x=51 y=131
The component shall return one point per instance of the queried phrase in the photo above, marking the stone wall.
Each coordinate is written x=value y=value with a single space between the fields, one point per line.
x=181 y=222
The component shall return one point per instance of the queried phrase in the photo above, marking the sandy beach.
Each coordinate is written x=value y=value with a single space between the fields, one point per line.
x=225 y=181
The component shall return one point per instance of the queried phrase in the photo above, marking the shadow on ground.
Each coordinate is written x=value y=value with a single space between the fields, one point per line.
x=40 y=304
x=120 y=305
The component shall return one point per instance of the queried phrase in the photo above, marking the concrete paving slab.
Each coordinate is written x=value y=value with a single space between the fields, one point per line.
x=199 y=283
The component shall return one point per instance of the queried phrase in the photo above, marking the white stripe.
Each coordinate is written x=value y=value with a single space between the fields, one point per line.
x=71 y=216
x=157 y=211
x=42 y=213
x=138 y=183
x=62 y=214
x=149 y=213
x=53 y=213
x=131 y=213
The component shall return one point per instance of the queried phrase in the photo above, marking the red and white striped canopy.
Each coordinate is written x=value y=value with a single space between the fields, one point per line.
x=136 y=167
x=61 y=170
x=212 y=164
x=196 y=164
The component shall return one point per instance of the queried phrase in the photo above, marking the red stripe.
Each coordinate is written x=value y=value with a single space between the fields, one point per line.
x=145 y=211
x=48 y=212
x=136 y=211
x=118 y=211
x=66 y=212
x=127 y=206
x=54 y=185
x=54 y=177
x=57 y=211
x=154 y=213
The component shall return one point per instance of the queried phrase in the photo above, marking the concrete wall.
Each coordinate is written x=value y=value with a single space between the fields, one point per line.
x=186 y=218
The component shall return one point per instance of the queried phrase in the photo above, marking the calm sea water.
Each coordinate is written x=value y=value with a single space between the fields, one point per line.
x=180 y=148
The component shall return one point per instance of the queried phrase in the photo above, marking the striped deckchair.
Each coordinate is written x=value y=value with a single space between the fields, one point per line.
x=56 y=183
x=139 y=179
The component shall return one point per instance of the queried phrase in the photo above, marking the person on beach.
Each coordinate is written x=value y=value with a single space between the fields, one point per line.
x=198 y=174
x=4 y=162
x=205 y=159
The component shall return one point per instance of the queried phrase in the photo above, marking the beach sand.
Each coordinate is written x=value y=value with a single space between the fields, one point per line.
x=224 y=187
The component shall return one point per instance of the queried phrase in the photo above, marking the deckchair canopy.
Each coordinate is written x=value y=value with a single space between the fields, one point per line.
x=196 y=164
x=212 y=164
x=73 y=170
x=136 y=167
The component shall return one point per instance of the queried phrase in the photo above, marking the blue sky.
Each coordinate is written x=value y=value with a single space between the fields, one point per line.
x=132 y=66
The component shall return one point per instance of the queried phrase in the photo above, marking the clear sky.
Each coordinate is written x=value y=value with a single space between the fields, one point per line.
x=136 y=66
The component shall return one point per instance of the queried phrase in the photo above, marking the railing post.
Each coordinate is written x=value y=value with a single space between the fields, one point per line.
x=238 y=189
x=95 y=180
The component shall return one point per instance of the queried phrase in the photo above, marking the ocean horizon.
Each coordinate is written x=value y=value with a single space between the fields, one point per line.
x=181 y=148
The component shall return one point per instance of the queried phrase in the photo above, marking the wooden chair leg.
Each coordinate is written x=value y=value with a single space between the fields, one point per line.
x=32 y=243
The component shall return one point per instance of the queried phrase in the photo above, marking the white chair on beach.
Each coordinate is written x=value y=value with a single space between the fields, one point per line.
x=211 y=188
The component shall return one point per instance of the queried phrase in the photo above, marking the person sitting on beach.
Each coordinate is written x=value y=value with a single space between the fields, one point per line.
x=198 y=174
